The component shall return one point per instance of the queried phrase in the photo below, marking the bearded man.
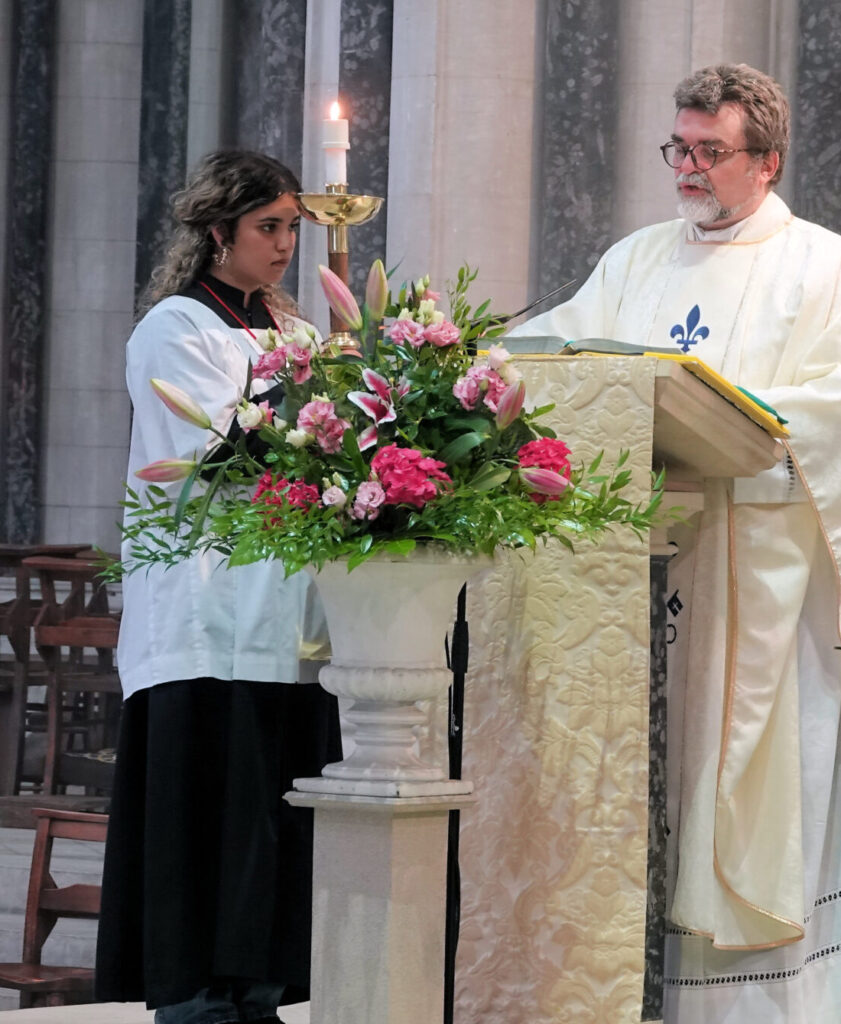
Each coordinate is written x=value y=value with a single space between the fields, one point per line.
x=756 y=827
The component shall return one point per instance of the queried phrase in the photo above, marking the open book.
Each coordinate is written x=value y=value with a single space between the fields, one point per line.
x=760 y=412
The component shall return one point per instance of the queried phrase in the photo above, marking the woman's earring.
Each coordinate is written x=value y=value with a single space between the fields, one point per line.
x=220 y=257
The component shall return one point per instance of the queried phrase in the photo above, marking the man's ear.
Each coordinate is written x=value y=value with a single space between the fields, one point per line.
x=768 y=166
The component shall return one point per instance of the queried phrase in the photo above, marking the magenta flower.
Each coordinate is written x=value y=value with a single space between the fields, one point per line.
x=180 y=403
x=319 y=419
x=164 y=471
x=443 y=334
x=339 y=298
x=369 y=496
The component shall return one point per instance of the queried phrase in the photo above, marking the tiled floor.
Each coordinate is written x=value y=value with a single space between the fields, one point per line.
x=71 y=941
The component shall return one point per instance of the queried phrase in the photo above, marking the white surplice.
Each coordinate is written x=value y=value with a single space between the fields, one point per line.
x=754 y=750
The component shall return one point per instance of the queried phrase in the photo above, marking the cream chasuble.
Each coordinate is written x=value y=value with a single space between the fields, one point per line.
x=762 y=671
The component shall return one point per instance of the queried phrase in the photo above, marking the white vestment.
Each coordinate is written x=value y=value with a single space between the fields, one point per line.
x=758 y=864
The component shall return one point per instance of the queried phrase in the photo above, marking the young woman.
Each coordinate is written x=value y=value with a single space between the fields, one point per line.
x=207 y=881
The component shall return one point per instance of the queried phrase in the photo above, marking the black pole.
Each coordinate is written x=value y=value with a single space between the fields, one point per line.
x=458 y=664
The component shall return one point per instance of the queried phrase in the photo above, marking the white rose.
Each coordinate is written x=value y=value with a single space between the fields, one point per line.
x=279 y=424
x=267 y=340
x=249 y=416
x=302 y=339
x=298 y=438
x=426 y=307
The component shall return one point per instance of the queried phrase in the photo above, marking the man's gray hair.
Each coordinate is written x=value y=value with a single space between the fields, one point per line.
x=766 y=112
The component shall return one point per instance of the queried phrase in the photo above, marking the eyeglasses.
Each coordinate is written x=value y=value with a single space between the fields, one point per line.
x=703 y=155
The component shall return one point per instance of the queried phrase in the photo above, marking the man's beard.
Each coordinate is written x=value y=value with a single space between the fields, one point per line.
x=702 y=209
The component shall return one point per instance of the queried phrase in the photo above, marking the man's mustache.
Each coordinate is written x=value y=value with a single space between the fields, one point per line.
x=696 y=179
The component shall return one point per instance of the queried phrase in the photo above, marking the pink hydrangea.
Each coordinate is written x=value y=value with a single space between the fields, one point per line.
x=442 y=334
x=319 y=419
x=404 y=332
x=270 y=363
x=479 y=381
x=369 y=496
x=408 y=476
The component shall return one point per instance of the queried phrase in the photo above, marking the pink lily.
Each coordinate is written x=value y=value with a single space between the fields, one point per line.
x=166 y=470
x=368 y=437
x=543 y=481
x=180 y=403
x=376 y=290
x=510 y=404
x=339 y=298
x=378 y=405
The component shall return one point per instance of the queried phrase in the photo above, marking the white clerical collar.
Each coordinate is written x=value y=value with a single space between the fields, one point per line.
x=768 y=218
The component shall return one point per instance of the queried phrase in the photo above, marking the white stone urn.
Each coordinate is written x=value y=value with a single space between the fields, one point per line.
x=388 y=620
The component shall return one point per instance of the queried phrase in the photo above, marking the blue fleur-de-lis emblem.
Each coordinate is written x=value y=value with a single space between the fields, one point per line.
x=691 y=334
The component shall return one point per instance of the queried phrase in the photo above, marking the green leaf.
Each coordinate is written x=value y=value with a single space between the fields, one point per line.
x=489 y=476
x=461 y=446
x=350 y=446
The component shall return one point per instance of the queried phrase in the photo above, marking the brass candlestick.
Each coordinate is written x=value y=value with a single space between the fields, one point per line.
x=338 y=210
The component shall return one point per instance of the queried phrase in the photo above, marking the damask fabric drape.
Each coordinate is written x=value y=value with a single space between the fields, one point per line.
x=553 y=856
x=757 y=858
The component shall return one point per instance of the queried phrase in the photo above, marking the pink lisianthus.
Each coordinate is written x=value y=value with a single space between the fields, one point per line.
x=334 y=496
x=407 y=332
x=480 y=381
x=270 y=363
x=443 y=334
x=551 y=456
x=408 y=476
x=300 y=359
x=369 y=496
x=319 y=419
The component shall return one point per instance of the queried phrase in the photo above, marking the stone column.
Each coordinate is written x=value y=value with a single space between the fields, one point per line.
x=365 y=93
x=91 y=257
x=163 y=126
x=817 y=142
x=33 y=51
x=379 y=900
x=460 y=150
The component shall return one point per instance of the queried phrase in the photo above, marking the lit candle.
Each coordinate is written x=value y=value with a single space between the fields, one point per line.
x=336 y=145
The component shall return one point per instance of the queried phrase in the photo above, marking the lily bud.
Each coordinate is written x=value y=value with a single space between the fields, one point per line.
x=166 y=470
x=543 y=481
x=180 y=403
x=339 y=298
x=509 y=406
x=376 y=290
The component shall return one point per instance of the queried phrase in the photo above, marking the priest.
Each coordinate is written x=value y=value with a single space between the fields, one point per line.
x=754 y=292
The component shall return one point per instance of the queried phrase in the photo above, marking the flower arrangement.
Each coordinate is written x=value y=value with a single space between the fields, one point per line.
x=409 y=440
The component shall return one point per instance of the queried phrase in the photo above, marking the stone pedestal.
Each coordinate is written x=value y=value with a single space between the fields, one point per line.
x=379 y=897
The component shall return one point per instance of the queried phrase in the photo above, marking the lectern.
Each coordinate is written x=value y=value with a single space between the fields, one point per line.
x=555 y=855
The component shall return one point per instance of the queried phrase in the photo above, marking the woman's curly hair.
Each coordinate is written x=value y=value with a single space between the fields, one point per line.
x=224 y=186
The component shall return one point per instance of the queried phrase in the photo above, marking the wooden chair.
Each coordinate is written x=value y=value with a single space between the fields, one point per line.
x=17 y=670
x=42 y=984
x=76 y=638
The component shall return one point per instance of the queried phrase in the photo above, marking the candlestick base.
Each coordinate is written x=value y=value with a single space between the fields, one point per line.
x=345 y=342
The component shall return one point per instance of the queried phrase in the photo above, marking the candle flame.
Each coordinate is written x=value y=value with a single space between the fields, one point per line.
x=334 y=111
